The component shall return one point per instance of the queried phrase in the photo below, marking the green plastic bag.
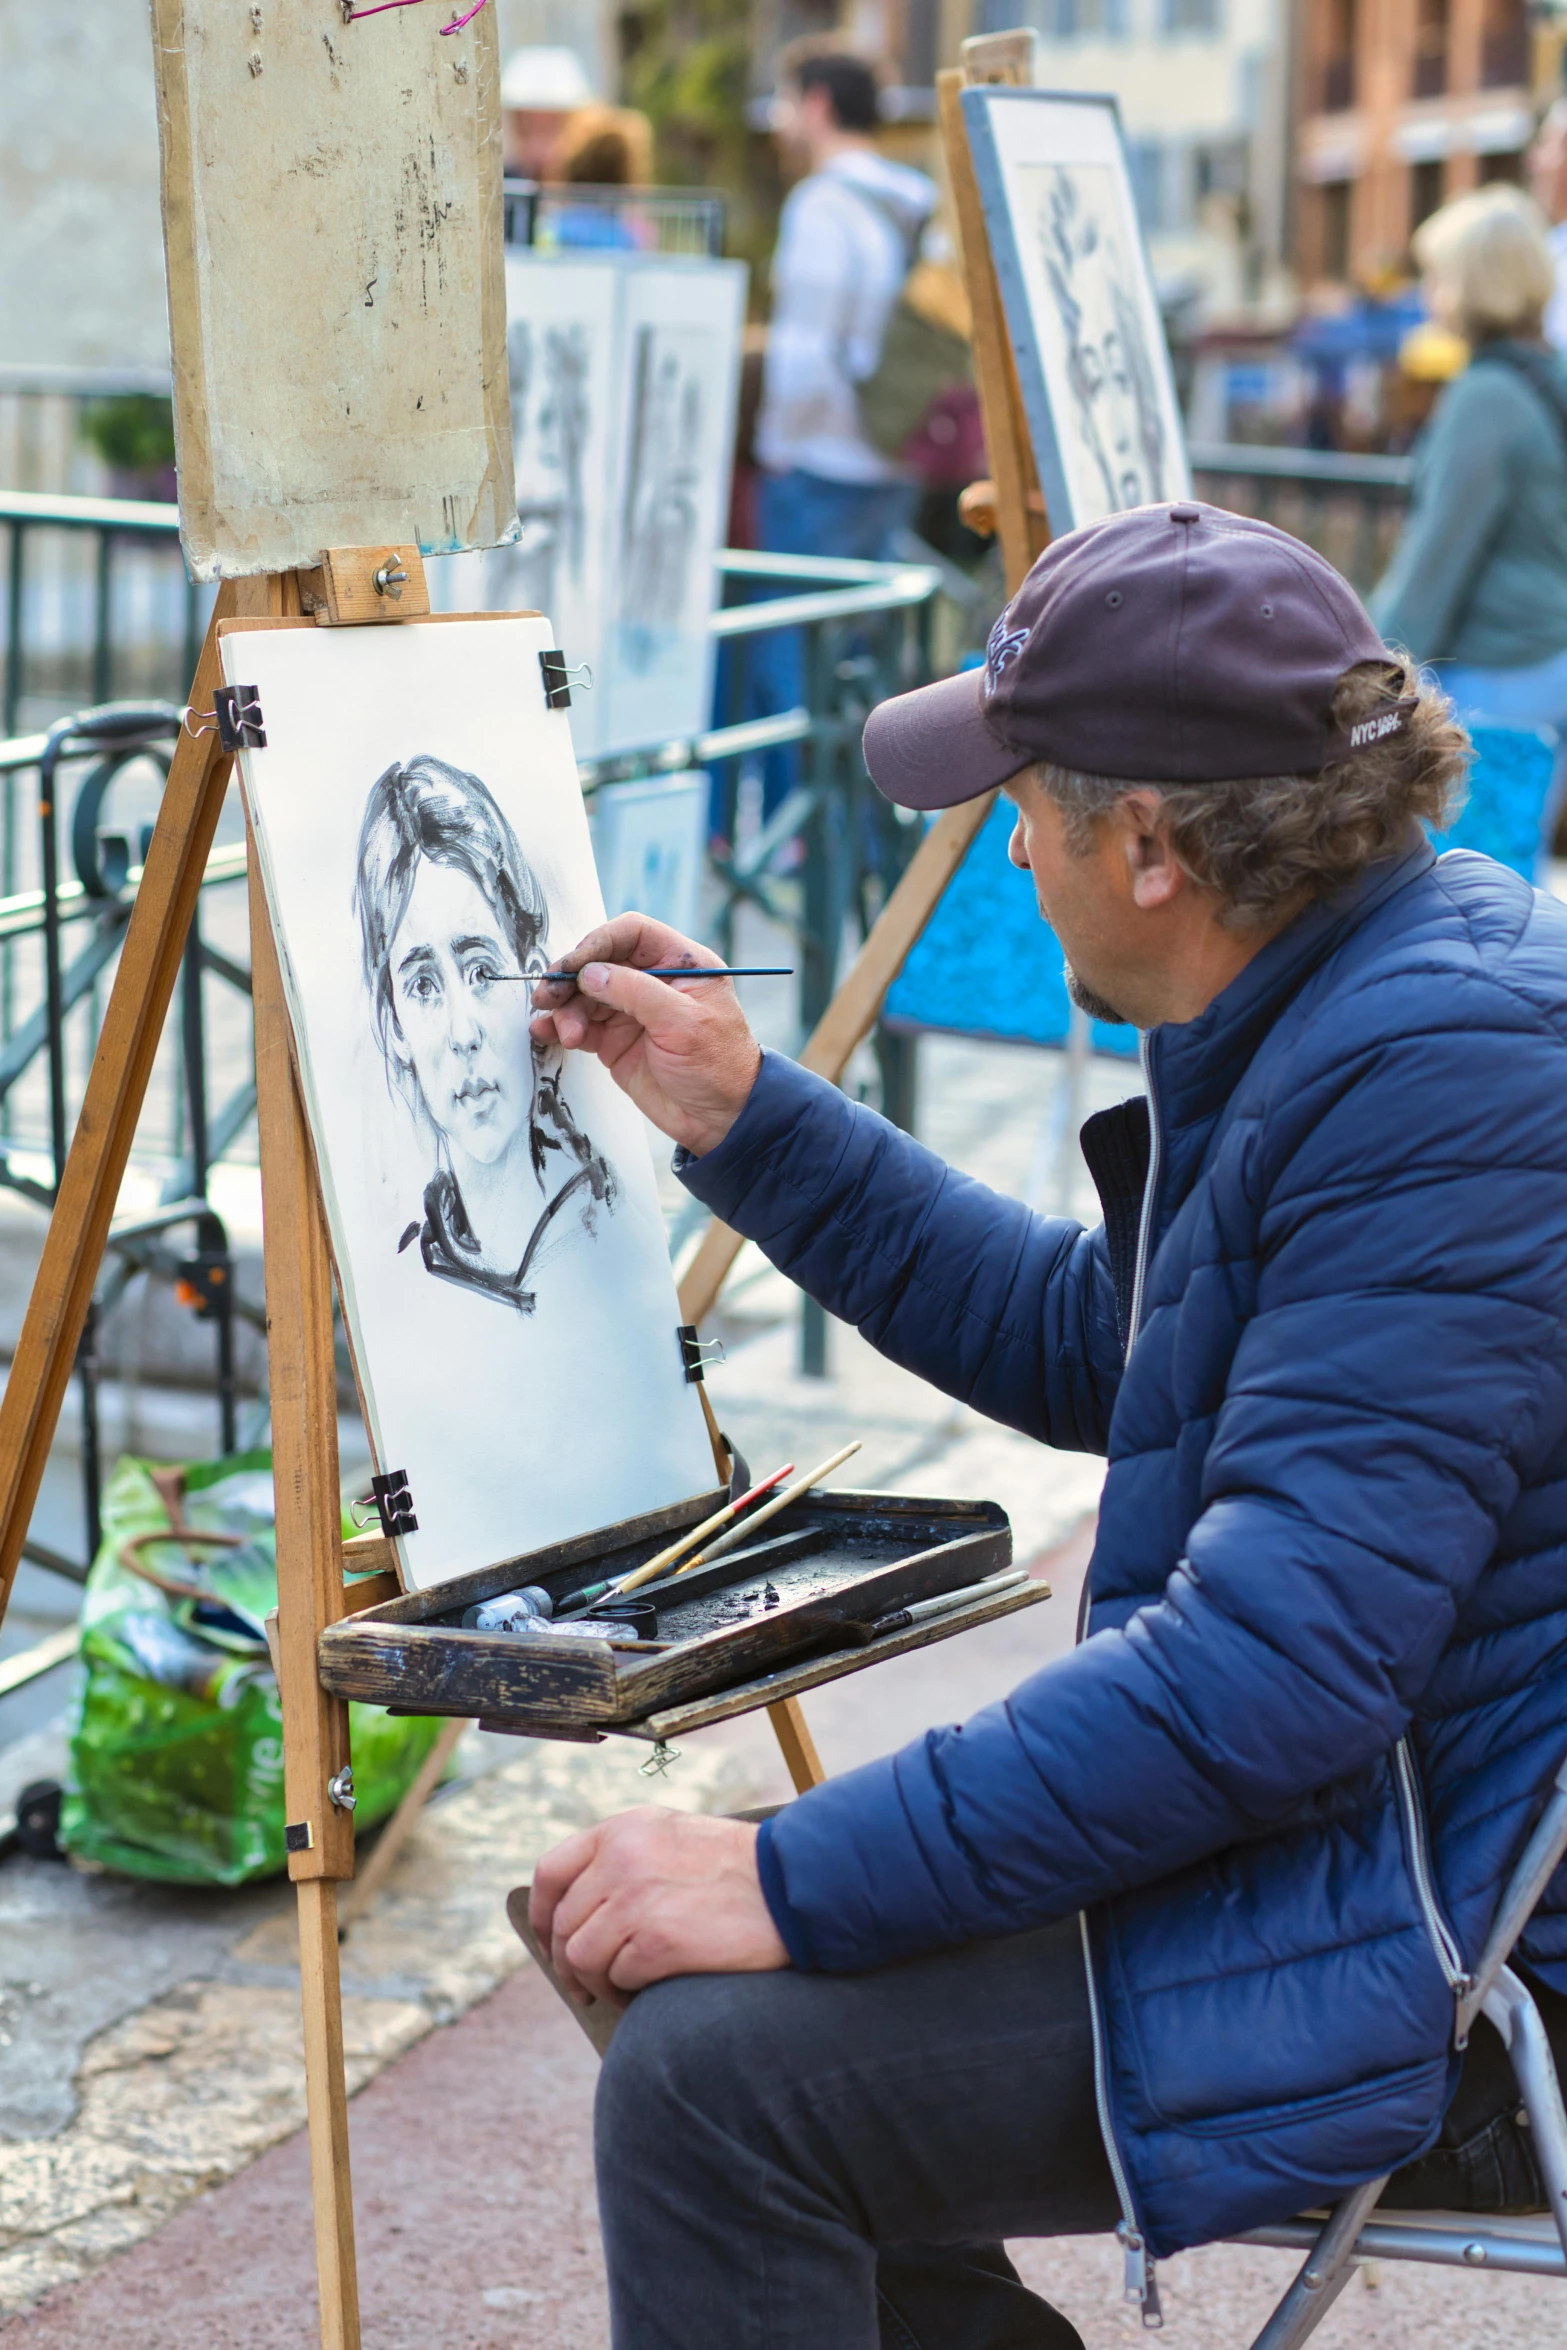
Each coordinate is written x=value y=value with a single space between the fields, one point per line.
x=177 y=1750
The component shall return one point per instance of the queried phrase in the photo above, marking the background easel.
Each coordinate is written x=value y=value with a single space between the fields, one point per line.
x=1011 y=505
x=311 y=1555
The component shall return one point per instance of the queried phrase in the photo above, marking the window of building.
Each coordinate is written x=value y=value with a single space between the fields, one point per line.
x=1429 y=79
x=1338 y=57
x=1189 y=16
x=1073 y=20
x=1502 y=167
x=1504 y=44
x=1334 y=201
x=1427 y=189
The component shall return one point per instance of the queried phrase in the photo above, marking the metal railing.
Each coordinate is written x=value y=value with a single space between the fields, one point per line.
x=84 y=619
x=577 y=218
x=1348 y=507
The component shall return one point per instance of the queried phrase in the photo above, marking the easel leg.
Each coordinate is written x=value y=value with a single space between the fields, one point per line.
x=116 y=1089
x=801 y=1759
x=302 y=1381
x=326 y=2094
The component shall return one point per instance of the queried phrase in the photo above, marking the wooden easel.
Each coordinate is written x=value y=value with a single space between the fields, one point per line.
x=312 y=1558
x=1011 y=504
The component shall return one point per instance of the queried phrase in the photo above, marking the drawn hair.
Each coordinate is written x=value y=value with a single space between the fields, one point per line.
x=422 y=808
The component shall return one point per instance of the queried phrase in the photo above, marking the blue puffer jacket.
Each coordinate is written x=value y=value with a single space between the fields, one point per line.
x=1325 y=1683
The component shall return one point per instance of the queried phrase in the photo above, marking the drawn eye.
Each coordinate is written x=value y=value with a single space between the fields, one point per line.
x=422 y=987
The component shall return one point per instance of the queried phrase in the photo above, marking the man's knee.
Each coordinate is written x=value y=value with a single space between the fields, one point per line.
x=680 y=2059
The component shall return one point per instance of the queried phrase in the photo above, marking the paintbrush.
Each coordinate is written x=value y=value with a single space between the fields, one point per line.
x=780 y=1501
x=626 y=1584
x=663 y=971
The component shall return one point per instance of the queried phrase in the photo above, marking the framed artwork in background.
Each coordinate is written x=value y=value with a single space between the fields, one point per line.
x=625 y=371
x=495 y=1221
x=1081 y=311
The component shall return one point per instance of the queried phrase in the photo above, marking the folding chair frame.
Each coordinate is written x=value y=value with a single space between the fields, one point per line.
x=1461 y=2240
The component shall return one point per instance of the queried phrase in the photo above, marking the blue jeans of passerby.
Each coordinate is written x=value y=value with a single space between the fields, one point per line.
x=1532 y=696
x=804 y=514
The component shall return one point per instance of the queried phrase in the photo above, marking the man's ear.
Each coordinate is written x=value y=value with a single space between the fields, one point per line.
x=1155 y=876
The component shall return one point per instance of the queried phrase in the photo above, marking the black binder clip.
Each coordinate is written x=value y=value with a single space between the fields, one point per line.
x=394 y=1503
x=237 y=709
x=698 y=1353
x=559 y=678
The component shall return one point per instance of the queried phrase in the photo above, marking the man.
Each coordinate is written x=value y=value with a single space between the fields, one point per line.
x=848 y=233
x=541 y=89
x=1547 y=170
x=1272 y=1796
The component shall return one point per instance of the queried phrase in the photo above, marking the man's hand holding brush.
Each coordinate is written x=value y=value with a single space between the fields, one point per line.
x=684 y=1053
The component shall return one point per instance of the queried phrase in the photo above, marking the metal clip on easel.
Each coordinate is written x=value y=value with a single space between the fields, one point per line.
x=559 y=678
x=235 y=718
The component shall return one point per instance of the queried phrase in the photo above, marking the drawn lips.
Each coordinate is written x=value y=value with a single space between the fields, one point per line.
x=474 y=1089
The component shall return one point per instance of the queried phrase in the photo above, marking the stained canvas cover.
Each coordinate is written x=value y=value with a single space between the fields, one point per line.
x=337 y=306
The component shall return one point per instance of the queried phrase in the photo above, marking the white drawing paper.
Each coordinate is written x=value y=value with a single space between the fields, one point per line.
x=506 y=1280
x=1085 y=326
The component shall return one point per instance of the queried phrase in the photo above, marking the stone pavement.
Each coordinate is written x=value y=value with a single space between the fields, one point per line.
x=474 y=2195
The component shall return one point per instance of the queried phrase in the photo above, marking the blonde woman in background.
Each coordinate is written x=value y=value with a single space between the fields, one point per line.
x=1478 y=581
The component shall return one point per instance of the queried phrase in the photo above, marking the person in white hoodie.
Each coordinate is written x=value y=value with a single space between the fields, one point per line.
x=850 y=230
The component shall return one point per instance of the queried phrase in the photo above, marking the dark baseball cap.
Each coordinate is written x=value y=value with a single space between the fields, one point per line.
x=1170 y=644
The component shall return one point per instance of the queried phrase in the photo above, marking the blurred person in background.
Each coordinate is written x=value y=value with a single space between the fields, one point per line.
x=847 y=240
x=1478 y=581
x=540 y=91
x=603 y=147
x=1546 y=164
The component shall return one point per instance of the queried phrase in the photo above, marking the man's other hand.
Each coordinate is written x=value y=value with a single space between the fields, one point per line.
x=649 y=1894
x=684 y=1054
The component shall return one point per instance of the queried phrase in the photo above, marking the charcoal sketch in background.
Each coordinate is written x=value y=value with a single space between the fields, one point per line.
x=624 y=381
x=1119 y=430
x=495 y=1221
x=452 y=924
x=658 y=516
x=680 y=378
x=1084 y=324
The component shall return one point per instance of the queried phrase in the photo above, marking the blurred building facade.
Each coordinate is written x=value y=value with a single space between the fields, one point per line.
x=1202 y=87
x=1401 y=104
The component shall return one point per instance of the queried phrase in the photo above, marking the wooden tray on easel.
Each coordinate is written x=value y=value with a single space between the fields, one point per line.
x=823 y=1570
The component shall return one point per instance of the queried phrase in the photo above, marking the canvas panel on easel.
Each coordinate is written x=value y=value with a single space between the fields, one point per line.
x=494 y=1216
x=337 y=306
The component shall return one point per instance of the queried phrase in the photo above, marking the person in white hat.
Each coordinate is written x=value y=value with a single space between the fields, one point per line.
x=540 y=89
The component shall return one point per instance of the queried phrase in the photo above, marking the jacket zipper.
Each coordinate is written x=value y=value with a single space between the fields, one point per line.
x=1449 y=1957
x=1141 y=2284
x=1150 y=1192
x=1141 y=2281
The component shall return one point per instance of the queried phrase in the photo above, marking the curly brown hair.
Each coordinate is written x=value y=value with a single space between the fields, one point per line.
x=1266 y=841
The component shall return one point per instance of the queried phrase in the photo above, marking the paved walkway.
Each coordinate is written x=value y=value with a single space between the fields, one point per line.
x=474 y=2194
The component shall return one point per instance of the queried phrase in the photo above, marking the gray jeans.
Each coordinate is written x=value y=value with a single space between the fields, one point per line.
x=814 y=2162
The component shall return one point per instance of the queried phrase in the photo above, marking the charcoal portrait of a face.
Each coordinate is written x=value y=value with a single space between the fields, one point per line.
x=452 y=925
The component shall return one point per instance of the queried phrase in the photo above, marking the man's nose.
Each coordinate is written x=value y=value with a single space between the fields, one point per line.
x=1017 y=848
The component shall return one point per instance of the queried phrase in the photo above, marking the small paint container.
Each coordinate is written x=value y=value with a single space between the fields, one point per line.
x=511 y=1611
x=638 y=1618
